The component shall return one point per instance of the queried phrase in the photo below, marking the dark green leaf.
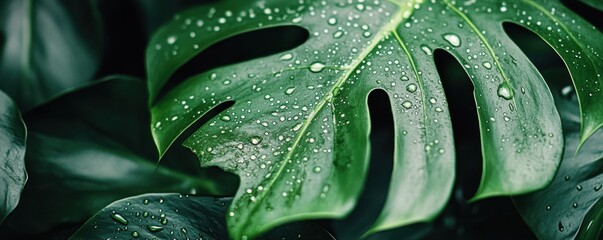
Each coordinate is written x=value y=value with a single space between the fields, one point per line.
x=598 y=4
x=12 y=154
x=572 y=206
x=297 y=132
x=86 y=150
x=177 y=216
x=49 y=46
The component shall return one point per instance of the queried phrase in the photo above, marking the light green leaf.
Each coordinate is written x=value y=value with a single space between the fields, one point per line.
x=572 y=206
x=297 y=132
x=169 y=216
x=81 y=162
x=12 y=149
x=49 y=46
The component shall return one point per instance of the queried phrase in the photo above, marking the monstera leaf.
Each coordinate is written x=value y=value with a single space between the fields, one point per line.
x=169 y=216
x=46 y=47
x=571 y=207
x=297 y=134
x=12 y=162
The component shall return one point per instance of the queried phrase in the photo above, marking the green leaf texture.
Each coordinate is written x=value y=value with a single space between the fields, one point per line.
x=169 y=216
x=571 y=207
x=297 y=134
x=12 y=160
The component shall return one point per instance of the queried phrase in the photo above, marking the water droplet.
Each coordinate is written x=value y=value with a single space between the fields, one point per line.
x=575 y=205
x=332 y=21
x=171 y=40
x=453 y=39
x=317 y=67
x=153 y=228
x=367 y=34
x=504 y=91
x=426 y=50
x=548 y=208
x=225 y=118
x=487 y=65
x=411 y=87
x=317 y=169
x=407 y=104
x=560 y=227
x=290 y=90
x=119 y=218
x=404 y=78
x=506 y=118
x=338 y=34
x=287 y=56
x=503 y=8
x=598 y=187
x=567 y=178
x=226 y=82
x=135 y=234
x=579 y=187
x=255 y=140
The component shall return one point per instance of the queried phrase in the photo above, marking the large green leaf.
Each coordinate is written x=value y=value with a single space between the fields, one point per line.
x=49 y=46
x=81 y=162
x=572 y=206
x=297 y=132
x=169 y=216
x=12 y=148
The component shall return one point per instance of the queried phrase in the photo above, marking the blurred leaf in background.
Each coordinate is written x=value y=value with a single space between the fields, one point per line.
x=91 y=147
x=47 y=46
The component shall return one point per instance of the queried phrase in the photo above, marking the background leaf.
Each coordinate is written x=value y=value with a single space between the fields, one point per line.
x=167 y=216
x=594 y=3
x=49 y=46
x=305 y=109
x=12 y=149
x=82 y=162
x=571 y=207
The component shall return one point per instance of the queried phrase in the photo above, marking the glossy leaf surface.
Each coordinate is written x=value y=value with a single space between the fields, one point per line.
x=572 y=206
x=297 y=132
x=48 y=47
x=12 y=160
x=169 y=216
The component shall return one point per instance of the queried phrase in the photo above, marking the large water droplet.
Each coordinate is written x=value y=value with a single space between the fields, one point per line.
x=171 y=40
x=119 y=218
x=453 y=39
x=332 y=21
x=153 y=228
x=426 y=50
x=290 y=90
x=135 y=234
x=287 y=56
x=407 y=104
x=504 y=91
x=317 y=169
x=411 y=87
x=255 y=140
x=487 y=65
x=317 y=67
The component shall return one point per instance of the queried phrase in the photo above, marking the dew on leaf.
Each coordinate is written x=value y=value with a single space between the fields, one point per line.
x=411 y=87
x=290 y=90
x=317 y=169
x=135 y=234
x=225 y=118
x=504 y=91
x=332 y=21
x=579 y=187
x=286 y=56
x=453 y=39
x=407 y=104
x=154 y=228
x=487 y=65
x=255 y=140
x=119 y=218
x=426 y=50
x=598 y=187
x=338 y=34
x=171 y=40
x=317 y=67
x=560 y=227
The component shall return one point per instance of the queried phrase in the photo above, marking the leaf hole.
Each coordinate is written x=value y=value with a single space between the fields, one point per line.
x=240 y=48
x=374 y=195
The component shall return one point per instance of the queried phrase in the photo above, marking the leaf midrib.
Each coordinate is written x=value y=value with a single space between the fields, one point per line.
x=383 y=32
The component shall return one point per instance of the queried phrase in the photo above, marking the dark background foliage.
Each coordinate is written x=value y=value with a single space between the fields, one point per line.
x=128 y=25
